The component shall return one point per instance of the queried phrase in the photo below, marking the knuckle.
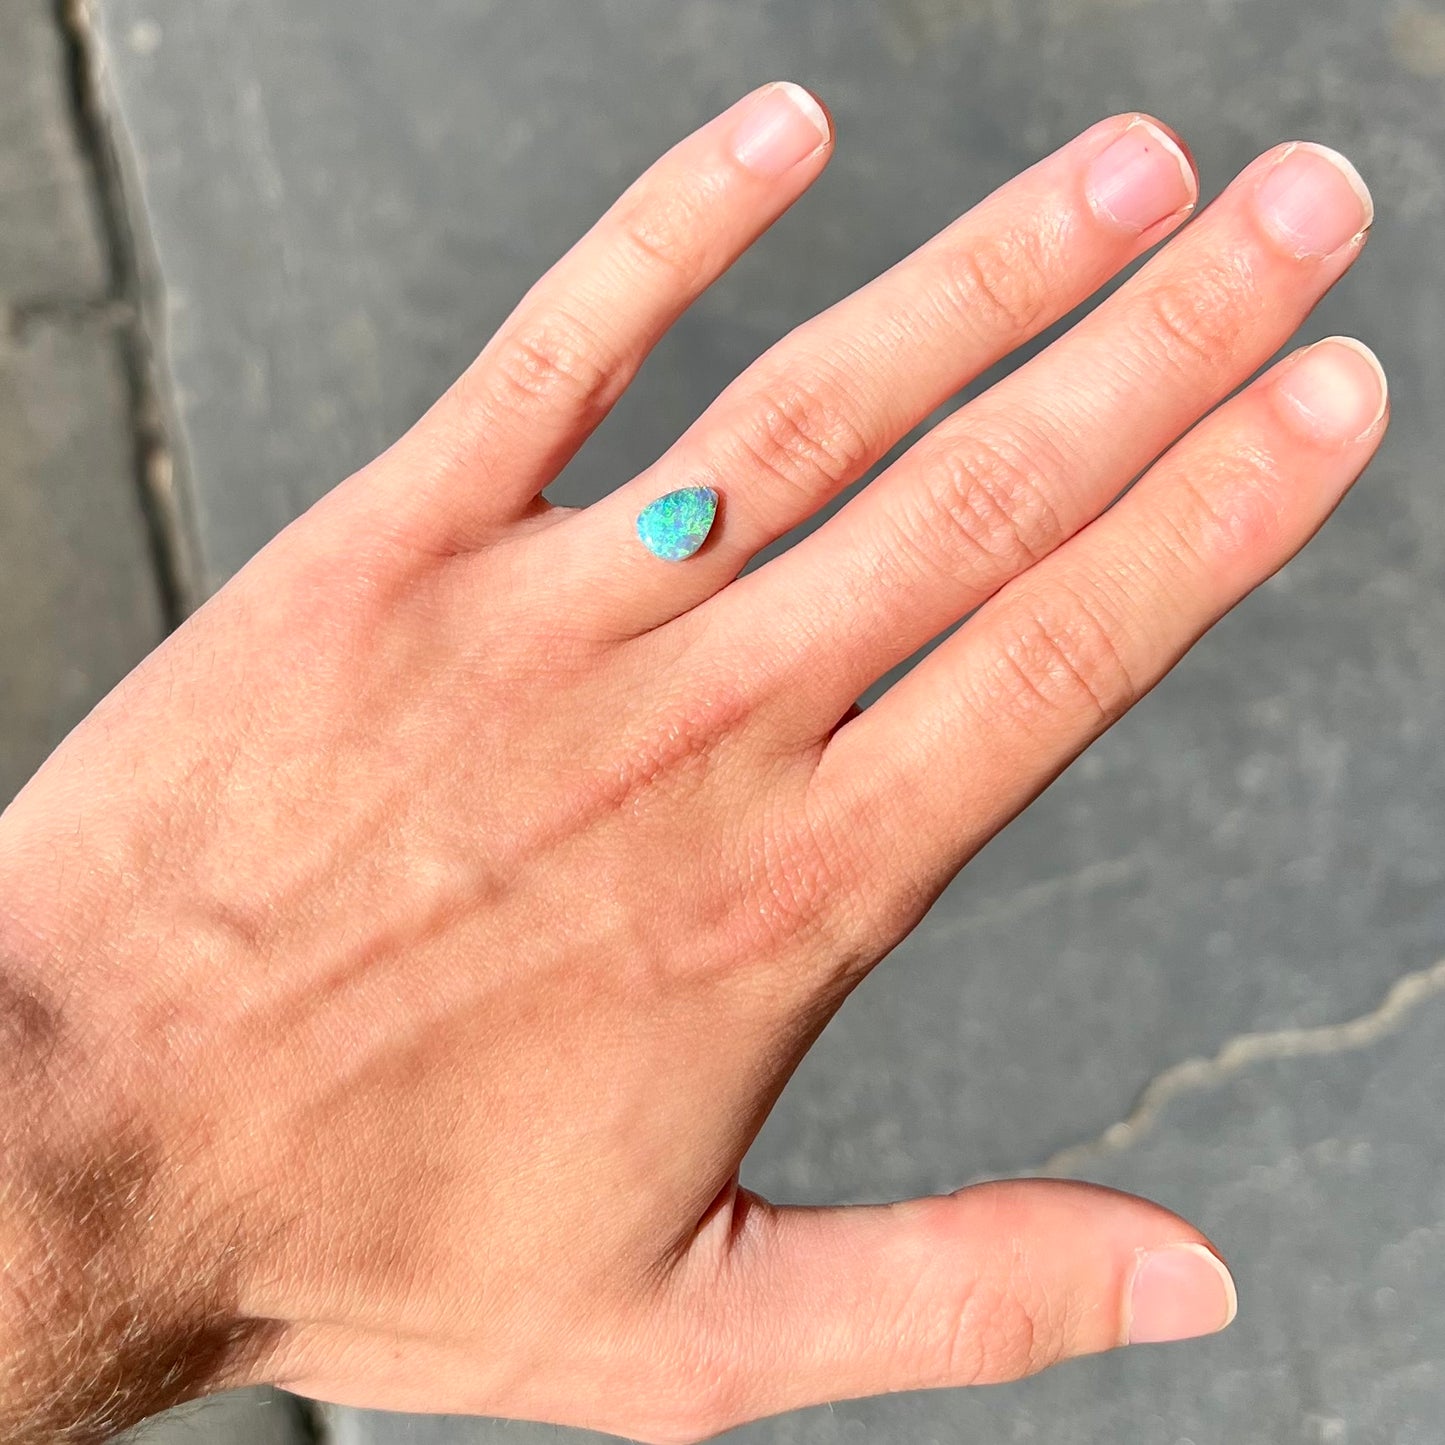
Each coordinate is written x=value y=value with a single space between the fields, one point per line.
x=936 y=1334
x=1009 y=1330
x=1000 y=1322
x=988 y=502
x=1062 y=658
x=1002 y=285
x=805 y=432
x=1198 y=322
x=665 y=231
x=553 y=359
x=1232 y=502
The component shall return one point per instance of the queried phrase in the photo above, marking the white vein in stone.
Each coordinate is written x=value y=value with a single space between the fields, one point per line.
x=1244 y=1050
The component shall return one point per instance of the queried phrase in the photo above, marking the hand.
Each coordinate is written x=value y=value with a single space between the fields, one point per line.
x=401 y=961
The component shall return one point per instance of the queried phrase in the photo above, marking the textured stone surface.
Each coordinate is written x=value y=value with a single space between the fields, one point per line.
x=78 y=602
x=245 y=1417
x=346 y=196
x=50 y=246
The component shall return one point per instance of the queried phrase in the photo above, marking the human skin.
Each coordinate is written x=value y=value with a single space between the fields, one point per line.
x=396 y=967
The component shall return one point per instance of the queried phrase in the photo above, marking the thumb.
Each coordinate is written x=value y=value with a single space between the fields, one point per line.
x=985 y=1285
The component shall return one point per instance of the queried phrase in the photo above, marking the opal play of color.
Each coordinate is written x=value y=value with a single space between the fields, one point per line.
x=675 y=526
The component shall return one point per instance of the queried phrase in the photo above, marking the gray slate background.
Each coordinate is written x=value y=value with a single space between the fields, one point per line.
x=78 y=603
x=341 y=199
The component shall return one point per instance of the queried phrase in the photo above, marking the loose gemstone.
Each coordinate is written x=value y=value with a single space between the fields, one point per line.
x=676 y=525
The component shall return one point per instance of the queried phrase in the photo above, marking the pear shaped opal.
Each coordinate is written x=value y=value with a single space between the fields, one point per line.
x=676 y=525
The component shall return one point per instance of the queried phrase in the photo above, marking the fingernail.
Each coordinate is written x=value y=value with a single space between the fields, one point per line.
x=781 y=126
x=1140 y=179
x=1335 y=389
x=1179 y=1293
x=1314 y=201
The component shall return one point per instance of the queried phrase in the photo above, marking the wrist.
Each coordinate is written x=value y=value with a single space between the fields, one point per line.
x=116 y=1301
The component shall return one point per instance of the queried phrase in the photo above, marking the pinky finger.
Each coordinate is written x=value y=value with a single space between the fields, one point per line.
x=968 y=738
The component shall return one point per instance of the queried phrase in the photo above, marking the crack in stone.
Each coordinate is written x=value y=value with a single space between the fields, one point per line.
x=163 y=503
x=1086 y=881
x=1242 y=1051
x=67 y=311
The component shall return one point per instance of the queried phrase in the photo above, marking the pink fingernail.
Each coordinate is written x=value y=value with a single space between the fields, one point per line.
x=1314 y=201
x=1336 y=390
x=1140 y=179
x=1179 y=1293
x=781 y=125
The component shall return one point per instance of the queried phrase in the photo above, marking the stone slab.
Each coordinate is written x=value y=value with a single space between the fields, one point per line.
x=344 y=197
x=243 y=1417
x=50 y=242
x=78 y=601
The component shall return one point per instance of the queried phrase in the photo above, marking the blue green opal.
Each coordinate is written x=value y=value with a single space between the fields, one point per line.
x=675 y=526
